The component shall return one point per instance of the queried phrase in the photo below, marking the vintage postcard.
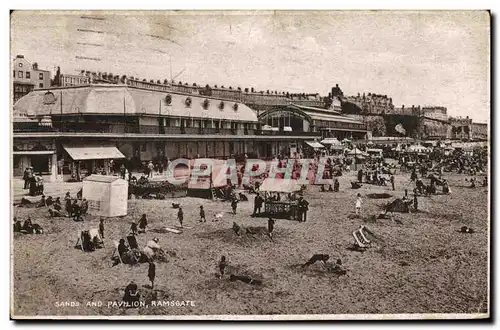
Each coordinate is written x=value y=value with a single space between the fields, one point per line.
x=250 y=165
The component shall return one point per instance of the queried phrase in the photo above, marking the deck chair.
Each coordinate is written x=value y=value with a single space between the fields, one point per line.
x=361 y=232
x=116 y=251
x=359 y=240
x=79 y=240
x=132 y=242
x=94 y=232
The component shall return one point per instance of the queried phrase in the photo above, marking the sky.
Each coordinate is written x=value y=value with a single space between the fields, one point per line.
x=418 y=58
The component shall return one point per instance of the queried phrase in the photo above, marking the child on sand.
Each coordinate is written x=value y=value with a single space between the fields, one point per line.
x=180 y=215
x=222 y=265
x=101 y=227
x=143 y=223
x=202 y=214
x=358 y=204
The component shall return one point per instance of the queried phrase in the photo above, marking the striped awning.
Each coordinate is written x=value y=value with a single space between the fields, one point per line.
x=86 y=153
x=332 y=141
x=34 y=153
x=314 y=144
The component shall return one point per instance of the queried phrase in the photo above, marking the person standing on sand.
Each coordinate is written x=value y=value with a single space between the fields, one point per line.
x=358 y=204
x=413 y=176
x=151 y=168
x=392 y=182
x=101 y=227
x=152 y=273
x=202 y=214
x=234 y=204
x=257 y=204
x=336 y=185
x=143 y=223
x=133 y=228
x=222 y=265
x=270 y=227
x=180 y=215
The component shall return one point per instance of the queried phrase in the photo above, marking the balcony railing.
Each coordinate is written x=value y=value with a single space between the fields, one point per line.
x=155 y=129
x=285 y=133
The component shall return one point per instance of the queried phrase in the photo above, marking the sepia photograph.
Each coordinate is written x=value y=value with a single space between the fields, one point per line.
x=250 y=164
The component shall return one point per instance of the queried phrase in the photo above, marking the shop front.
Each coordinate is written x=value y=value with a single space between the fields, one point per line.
x=84 y=161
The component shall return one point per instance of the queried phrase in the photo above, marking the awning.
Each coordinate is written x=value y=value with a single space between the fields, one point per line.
x=332 y=141
x=85 y=153
x=336 y=147
x=41 y=152
x=279 y=185
x=314 y=144
x=356 y=151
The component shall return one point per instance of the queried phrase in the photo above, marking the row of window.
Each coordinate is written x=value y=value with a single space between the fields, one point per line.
x=20 y=74
x=76 y=80
x=205 y=124
x=23 y=88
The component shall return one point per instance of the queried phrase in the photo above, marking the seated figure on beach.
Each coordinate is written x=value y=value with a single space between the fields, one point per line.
x=323 y=258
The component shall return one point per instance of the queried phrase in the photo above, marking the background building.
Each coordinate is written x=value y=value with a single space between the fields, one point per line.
x=460 y=128
x=439 y=113
x=27 y=77
x=479 y=131
x=145 y=121
x=73 y=80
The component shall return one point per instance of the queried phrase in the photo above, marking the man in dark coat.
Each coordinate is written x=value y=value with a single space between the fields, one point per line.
x=202 y=214
x=246 y=279
x=131 y=293
x=152 y=273
x=28 y=226
x=180 y=216
x=222 y=265
x=101 y=227
x=42 y=202
x=270 y=226
x=413 y=176
x=122 y=248
x=336 y=185
x=392 y=182
x=360 y=175
x=303 y=207
x=26 y=178
x=17 y=225
x=33 y=186
x=122 y=171
x=69 y=207
x=84 y=207
x=133 y=228
x=257 y=204
x=234 y=204
x=323 y=258
x=143 y=223
x=76 y=211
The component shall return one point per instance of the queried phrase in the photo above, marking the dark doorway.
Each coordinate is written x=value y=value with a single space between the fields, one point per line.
x=40 y=163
